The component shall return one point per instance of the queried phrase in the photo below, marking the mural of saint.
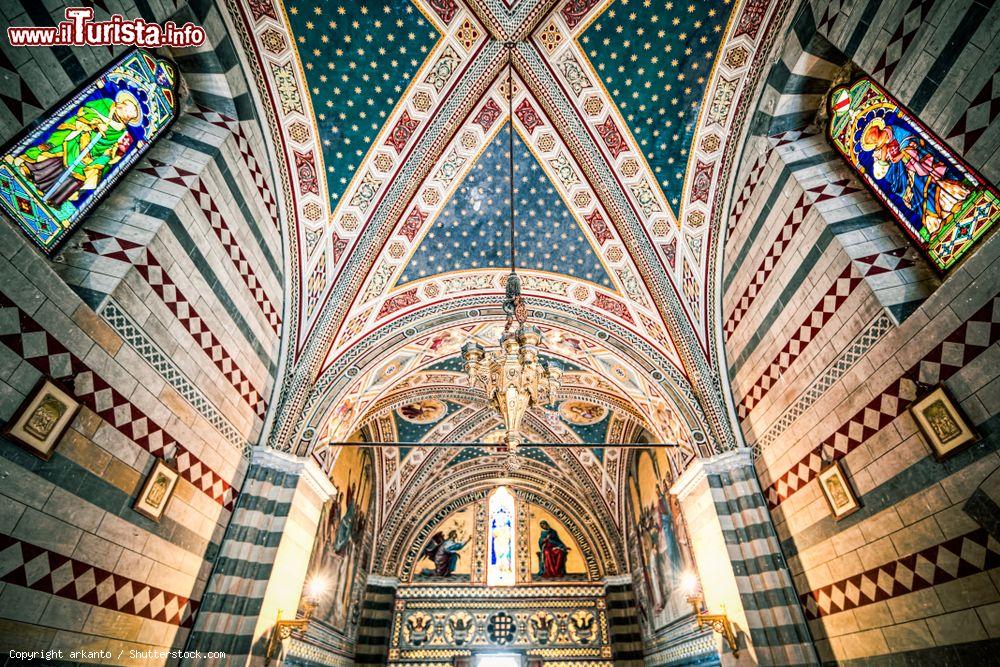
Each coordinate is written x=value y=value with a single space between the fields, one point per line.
x=658 y=540
x=551 y=553
x=444 y=553
x=337 y=551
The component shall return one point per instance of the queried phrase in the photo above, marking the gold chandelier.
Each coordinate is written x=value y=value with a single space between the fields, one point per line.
x=514 y=377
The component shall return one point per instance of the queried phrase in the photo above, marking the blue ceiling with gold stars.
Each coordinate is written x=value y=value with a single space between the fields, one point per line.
x=358 y=57
x=655 y=59
x=472 y=231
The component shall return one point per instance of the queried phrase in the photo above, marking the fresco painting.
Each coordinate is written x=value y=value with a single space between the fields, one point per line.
x=555 y=554
x=339 y=549
x=446 y=555
x=658 y=541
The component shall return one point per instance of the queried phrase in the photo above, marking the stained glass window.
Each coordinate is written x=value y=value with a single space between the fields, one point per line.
x=55 y=172
x=941 y=202
x=500 y=569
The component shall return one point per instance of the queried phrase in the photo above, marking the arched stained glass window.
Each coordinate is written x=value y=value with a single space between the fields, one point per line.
x=942 y=203
x=54 y=173
x=500 y=567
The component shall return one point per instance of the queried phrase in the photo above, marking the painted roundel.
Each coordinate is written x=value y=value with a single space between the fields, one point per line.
x=582 y=413
x=427 y=411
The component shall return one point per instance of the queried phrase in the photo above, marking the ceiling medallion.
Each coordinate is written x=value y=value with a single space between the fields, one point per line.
x=514 y=377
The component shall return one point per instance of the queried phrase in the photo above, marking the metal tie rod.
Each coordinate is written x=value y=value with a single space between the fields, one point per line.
x=445 y=445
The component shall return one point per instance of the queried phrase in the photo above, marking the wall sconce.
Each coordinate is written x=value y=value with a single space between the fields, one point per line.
x=283 y=629
x=718 y=622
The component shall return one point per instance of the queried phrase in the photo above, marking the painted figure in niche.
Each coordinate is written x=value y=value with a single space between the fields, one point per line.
x=345 y=524
x=339 y=547
x=669 y=539
x=661 y=537
x=551 y=553
x=444 y=553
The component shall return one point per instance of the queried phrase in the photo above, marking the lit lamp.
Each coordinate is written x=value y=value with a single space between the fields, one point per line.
x=283 y=629
x=718 y=622
x=514 y=377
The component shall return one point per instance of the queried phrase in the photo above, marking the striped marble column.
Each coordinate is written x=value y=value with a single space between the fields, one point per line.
x=740 y=562
x=623 y=621
x=372 y=646
x=262 y=564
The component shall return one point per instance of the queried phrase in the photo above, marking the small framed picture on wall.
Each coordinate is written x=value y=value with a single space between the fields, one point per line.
x=837 y=491
x=942 y=423
x=42 y=419
x=157 y=490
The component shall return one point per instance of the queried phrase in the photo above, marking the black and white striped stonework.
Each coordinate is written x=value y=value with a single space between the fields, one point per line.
x=375 y=625
x=232 y=601
x=623 y=622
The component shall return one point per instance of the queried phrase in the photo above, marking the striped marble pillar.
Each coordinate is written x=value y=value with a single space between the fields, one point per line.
x=375 y=625
x=740 y=563
x=623 y=621
x=261 y=568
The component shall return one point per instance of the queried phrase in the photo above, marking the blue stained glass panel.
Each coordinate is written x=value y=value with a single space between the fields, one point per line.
x=941 y=202
x=54 y=173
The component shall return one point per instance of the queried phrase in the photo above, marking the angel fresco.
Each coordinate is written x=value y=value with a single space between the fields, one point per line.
x=444 y=553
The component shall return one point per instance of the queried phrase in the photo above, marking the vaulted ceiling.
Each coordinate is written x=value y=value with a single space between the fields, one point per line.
x=391 y=120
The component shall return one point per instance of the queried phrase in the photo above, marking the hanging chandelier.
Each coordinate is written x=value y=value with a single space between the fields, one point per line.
x=514 y=377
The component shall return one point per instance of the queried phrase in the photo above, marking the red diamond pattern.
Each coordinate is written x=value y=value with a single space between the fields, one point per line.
x=821 y=313
x=29 y=340
x=963 y=345
x=249 y=159
x=792 y=223
x=30 y=566
x=953 y=559
x=753 y=178
x=151 y=270
x=982 y=111
x=192 y=182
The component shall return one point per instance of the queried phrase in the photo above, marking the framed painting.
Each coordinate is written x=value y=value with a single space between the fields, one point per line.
x=942 y=423
x=156 y=490
x=837 y=491
x=42 y=419
x=941 y=202
x=57 y=170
